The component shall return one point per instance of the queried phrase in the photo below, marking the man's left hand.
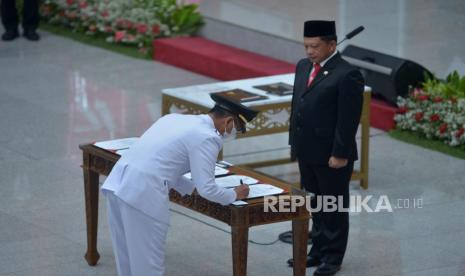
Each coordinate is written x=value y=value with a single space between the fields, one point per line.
x=337 y=163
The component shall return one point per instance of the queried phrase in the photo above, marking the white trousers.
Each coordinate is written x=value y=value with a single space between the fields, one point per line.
x=138 y=239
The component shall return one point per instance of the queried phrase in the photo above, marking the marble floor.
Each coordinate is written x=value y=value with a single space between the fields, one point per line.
x=56 y=94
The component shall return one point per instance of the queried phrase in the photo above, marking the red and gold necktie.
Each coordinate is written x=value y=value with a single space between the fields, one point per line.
x=316 y=69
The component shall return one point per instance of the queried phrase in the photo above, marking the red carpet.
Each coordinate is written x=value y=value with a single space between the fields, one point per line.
x=217 y=60
x=224 y=62
x=382 y=115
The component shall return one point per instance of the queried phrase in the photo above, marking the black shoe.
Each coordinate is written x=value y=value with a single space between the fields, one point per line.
x=311 y=261
x=10 y=35
x=31 y=35
x=326 y=269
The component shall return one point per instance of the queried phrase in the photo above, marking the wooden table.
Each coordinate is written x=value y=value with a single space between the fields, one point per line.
x=273 y=117
x=97 y=161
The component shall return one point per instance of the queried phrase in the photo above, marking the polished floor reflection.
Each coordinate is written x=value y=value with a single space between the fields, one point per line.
x=431 y=33
x=58 y=93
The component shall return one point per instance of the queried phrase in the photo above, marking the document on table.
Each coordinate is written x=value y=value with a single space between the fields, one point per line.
x=224 y=164
x=218 y=171
x=235 y=180
x=239 y=203
x=261 y=190
x=117 y=145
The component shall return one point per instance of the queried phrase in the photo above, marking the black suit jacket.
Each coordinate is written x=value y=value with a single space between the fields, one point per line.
x=325 y=116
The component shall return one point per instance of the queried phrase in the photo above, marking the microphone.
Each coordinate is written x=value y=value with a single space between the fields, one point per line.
x=353 y=33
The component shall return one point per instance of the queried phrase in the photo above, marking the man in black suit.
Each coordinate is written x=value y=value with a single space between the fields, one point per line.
x=10 y=20
x=326 y=110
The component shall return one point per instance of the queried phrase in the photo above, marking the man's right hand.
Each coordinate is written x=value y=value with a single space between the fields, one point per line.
x=242 y=191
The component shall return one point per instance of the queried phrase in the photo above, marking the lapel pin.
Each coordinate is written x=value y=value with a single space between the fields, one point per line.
x=325 y=73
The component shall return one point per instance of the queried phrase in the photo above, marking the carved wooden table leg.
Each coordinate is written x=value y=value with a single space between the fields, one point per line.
x=299 y=249
x=240 y=236
x=240 y=239
x=91 y=185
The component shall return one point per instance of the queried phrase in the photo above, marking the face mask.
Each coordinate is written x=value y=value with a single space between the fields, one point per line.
x=231 y=135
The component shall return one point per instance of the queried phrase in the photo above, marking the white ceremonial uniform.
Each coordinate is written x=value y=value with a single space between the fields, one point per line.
x=137 y=187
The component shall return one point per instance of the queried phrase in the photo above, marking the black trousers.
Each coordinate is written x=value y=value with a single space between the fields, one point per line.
x=330 y=230
x=10 y=18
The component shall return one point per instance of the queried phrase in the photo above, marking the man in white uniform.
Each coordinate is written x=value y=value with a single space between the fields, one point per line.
x=138 y=186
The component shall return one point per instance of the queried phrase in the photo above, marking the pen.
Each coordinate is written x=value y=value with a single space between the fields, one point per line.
x=250 y=184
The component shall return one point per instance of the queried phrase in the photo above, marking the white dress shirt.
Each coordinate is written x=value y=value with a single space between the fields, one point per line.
x=171 y=147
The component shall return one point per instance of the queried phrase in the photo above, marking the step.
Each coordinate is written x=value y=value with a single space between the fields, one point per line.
x=216 y=60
